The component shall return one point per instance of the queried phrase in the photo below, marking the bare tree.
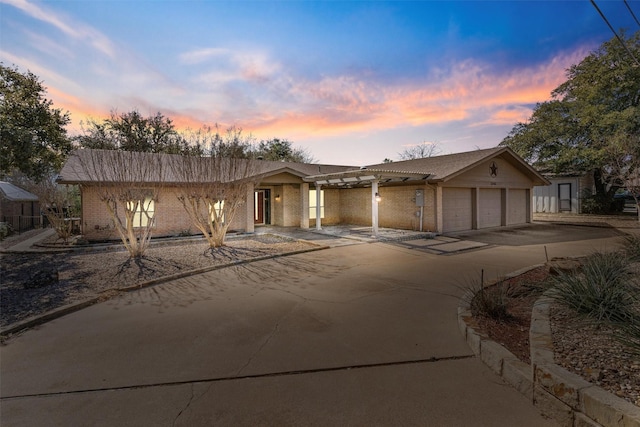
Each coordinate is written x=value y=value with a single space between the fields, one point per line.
x=57 y=203
x=214 y=185
x=128 y=184
x=420 y=151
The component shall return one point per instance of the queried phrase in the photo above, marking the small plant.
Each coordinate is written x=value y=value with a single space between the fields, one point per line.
x=602 y=291
x=632 y=247
x=629 y=334
x=5 y=230
x=185 y=233
x=490 y=301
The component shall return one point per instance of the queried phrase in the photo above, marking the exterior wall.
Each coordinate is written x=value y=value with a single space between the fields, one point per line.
x=398 y=207
x=277 y=206
x=17 y=208
x=355 y=206
x=507 y=176
x=291 y=206
x=546 y=198
x=20 y=215
x=170 y=216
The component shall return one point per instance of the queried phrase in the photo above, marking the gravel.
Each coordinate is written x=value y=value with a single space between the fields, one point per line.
x=591 y=352
x=89 y=274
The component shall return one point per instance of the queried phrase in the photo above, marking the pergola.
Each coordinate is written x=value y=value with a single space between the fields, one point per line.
x=362 y=178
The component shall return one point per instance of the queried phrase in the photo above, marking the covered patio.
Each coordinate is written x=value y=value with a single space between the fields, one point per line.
x=373 y=178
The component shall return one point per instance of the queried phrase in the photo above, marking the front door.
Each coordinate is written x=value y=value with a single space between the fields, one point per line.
x=564 y=196
x=258 y=207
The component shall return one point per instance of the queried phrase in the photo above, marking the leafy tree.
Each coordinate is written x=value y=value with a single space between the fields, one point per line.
x=624 y=167
x=420 y=151
x=282 y=150
x=32 y=133
x=133 y=132
x=598 y=105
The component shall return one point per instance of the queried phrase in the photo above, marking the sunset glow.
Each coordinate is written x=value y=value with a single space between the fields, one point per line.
x=351 y=82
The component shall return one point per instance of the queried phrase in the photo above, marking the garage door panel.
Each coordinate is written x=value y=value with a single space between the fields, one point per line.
x=457 y=209
x=490 y=208
x=518 y=206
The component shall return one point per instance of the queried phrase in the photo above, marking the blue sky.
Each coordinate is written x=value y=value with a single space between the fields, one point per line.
x=353 y=82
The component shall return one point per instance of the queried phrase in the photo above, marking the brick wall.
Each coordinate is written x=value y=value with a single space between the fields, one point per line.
x=170 y=216
x=291 y=207
x=397 y=209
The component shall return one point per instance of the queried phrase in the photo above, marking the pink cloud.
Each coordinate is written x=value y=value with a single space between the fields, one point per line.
x=267 y=101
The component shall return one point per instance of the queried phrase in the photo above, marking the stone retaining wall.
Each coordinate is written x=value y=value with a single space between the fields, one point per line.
x=558 y=393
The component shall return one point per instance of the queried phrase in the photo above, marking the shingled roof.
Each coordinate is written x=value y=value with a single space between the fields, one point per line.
x=444 y=168
x=16 y=194
x=431 y=169
x=82 y=167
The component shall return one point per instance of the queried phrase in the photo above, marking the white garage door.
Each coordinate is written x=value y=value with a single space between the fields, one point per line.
x=518 y=206
x=457 y=209
x=490 y=208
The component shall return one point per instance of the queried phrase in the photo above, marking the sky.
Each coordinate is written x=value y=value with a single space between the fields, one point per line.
x=352 y=82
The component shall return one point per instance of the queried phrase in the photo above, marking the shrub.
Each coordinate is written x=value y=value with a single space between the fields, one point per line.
x=629 y=334
x=491 y=301
x=5 y=230
x=632 y=247
x=602 y=291
x=595 y=205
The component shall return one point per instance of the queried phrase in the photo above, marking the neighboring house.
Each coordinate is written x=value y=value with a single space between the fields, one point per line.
x=18 y=207
x=477 y=189
x=564 y=193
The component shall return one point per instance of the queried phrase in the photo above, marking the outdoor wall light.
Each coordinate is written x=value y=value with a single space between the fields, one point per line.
x=277 y=197
x=378 y=198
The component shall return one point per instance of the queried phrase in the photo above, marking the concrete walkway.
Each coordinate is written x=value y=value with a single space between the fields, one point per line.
x=27 y=244
x=359 y=334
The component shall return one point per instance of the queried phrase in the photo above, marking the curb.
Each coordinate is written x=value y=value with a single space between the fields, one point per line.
x=557 y=393
x=105 y=295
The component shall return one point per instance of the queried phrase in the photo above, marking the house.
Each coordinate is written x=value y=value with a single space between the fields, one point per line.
x=464 y=191
x=18 y=207
x=564 y=193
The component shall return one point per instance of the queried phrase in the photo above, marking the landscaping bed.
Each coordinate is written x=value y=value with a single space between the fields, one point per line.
x=34 y=283
x=580 y=346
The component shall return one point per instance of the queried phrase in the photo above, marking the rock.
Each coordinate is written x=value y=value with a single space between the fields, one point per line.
x=559 y=266
x=42 y=278
x=593 y=374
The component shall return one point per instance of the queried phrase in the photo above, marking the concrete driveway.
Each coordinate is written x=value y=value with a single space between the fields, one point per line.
x=537 y=234
x=352 y=335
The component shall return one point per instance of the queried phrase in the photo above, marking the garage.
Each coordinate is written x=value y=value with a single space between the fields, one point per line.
x=518 y=206
x=457 y=209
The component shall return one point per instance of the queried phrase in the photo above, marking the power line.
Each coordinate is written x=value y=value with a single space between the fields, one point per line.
x=631 y=12
x=624 y=45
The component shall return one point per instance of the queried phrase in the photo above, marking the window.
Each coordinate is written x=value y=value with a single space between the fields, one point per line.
x=217 y=211
x=312 y=204
x=144 y=211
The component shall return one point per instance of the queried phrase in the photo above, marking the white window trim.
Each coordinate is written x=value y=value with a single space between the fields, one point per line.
x=312 y=204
